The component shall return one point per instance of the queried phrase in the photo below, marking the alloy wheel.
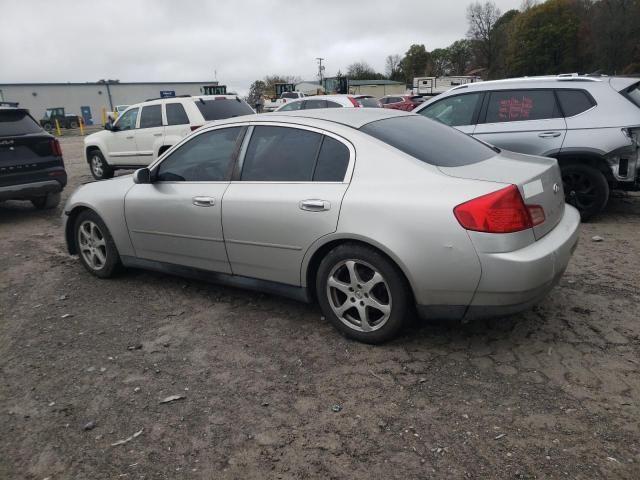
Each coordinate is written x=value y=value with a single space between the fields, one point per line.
x=92 y=244
x=96 y=165
x=359 y=295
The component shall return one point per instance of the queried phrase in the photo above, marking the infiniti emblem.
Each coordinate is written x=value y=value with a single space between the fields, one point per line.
x=556 y=188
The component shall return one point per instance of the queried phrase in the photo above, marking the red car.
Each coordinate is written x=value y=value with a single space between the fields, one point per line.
x=401 y=102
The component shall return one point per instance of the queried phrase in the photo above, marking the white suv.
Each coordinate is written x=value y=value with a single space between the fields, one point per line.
x=146 y=130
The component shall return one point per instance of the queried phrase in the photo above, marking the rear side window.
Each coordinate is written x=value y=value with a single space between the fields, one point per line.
x=280 y=154
x=291 y=106
x=176 y=114
x=332 y=161
x=290 y=95
x=331 y=104
x=17 y=122
x=151 y=116
x=311 y=104
x=574 y=102
x=633 y=93
x=368 y=102
x=521 y=105
x=207 y=157
x=429 y=141
x=222 y=108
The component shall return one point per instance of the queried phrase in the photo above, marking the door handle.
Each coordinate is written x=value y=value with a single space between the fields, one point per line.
x=314 y=205
x=204 y=201
x=549 y=135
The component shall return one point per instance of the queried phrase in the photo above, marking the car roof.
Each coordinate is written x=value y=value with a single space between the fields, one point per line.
x=351 y=117
x=555 y=81
x=153 y=101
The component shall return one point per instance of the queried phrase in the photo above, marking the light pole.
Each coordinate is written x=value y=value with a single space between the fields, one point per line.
x=320 y=69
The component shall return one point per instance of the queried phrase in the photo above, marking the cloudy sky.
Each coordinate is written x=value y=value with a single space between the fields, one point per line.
x=241 y=40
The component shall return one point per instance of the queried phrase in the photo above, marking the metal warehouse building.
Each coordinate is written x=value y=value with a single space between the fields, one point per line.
x=89 y=99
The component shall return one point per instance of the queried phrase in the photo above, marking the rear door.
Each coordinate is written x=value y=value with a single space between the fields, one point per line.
x=177 y=124
x=287 y=194
x=523 y=121
x=150 y=134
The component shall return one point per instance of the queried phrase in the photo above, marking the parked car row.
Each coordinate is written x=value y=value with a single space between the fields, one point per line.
x=397 y=102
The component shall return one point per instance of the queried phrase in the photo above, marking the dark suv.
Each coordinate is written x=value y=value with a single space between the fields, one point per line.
x=31 y=166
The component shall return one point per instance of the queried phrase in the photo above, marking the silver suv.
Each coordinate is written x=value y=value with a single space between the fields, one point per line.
x=591 y=125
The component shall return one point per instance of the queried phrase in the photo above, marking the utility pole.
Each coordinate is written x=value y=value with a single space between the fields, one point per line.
x=320 y=68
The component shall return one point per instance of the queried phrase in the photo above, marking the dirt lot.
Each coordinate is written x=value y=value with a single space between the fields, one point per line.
x=272 y=391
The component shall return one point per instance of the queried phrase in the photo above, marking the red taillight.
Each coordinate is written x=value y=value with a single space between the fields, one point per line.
x=195 y=127
x=56 y=149
x=354 y=102
x=503 y=211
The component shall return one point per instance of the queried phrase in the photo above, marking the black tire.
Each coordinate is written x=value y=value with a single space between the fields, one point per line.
x=99 y=167
x=586 y=188
x=392 y=292
x=47 y=126
x=73 y=124
x=51 y=200
x=111 y=263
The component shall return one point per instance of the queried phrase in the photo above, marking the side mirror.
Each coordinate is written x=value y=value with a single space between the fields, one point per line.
x=108 y=126
x=142 y=176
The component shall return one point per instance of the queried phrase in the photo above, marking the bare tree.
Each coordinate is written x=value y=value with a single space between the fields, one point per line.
x=392 y=65
x=482 y=19
x=527 y=5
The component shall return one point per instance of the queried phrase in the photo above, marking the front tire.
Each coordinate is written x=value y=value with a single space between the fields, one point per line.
x=586 y=188
x=362 y=293
x=95 y=246
x=51 y=200
x=100 y=169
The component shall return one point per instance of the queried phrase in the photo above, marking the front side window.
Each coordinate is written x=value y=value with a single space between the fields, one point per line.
x=281 y=154
x=127 y=121
x=176 y=114
x=454 y=111
x=151 y=116
x=207 y=157
x=288 y=107
x=521 y=105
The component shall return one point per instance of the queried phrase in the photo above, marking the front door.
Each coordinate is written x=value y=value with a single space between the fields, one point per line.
x=85 y=111
x=177 y=218
x=149 y=135
x=523 y=121
x=286 y=196
x=121 y=143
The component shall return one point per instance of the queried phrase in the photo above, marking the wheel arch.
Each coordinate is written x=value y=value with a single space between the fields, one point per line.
x=322 y=247
x=69 y=236
x=585 y=158
x=90 y=148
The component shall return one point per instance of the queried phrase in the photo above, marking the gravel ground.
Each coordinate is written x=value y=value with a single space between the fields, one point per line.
x=269 y=390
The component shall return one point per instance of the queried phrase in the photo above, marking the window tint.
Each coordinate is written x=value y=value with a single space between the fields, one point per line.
x=394 y=99
x=574 y=102
x=17 y=122
x=151 y=116
x=176 y=114
x=310 y=104
x=429 y=141
x=290 y=95
x=127 y=120
x=205 y=158
x=331 y=104
x=518 y=105
x=279 y=154
x=288 y=107
x=368 y=102
x=454 y=111
x=222 y=108
x=332 y=161
x=633 y=93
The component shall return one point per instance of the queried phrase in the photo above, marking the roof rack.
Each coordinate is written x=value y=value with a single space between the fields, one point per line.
x=9 y=104
x=166 y=98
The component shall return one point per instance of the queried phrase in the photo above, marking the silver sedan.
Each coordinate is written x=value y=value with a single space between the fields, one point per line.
x=366 y=211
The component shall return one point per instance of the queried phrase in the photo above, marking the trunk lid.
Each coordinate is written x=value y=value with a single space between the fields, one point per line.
x=538 y=179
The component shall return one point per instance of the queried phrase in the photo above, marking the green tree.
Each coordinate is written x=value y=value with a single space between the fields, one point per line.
x=256 y=89
x=460 y=57
x=502 y=33
x=441 y=64
x=393 y=67
x=416 y=63
x=615 y=32
x=544 y=40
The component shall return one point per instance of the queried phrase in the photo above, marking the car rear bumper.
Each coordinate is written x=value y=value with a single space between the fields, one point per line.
x=515 y=281
x=30 y=190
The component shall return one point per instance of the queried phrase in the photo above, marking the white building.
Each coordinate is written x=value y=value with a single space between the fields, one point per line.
x=89 y=99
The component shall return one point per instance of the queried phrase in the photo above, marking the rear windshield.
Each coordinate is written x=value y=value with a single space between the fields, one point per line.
x=429 y=141
x=369 y=102
x=223 y=108
x=290 y=95
x=17 y=122
x=633 y=93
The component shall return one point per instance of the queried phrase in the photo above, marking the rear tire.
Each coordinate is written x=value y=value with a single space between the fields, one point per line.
x=586 y=188
x=99 y=167
x=51 y=200
x=95 y=246
x=73 y=124
x=47 y=126
x=355 y=283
